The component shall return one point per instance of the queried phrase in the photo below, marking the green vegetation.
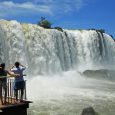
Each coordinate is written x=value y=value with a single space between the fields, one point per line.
x=59 y=28
x=112 y=36
x=44 y=23
x=47 y=24
x=98 y=30
x=81 y=30
x=101 y=30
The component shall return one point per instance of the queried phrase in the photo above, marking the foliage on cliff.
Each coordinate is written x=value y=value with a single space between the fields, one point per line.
x=101 y=30
x=59 y=28
x=44 y=23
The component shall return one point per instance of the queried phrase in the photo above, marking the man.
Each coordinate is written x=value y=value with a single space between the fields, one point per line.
x=3 y=82
x=19 y=81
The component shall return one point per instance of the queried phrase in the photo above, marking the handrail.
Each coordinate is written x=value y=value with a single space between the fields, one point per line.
x=10 y=94
x=5 y=77
x=9 y=76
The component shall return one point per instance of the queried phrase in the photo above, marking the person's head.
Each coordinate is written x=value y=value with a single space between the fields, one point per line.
x=17 y=64
x=2 y=65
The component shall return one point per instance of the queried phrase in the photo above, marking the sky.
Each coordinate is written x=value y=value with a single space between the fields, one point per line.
x=68 y=14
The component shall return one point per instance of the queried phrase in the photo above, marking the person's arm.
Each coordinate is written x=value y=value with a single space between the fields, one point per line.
x=12 y=74
x=22 y=65
x=12 y=67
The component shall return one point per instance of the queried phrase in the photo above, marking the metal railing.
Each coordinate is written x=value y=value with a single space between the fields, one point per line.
x=9 y=93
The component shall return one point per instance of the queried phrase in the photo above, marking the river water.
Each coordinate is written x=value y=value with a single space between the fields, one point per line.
x=69 y=93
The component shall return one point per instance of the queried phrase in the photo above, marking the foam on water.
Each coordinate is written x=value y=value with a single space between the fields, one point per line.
x=65 y=84
x=68 y=93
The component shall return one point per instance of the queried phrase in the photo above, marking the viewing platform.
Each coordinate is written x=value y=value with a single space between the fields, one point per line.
x=12 y=107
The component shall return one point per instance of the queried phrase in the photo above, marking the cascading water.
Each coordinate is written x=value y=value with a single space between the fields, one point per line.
x=49 y=50
x=56 y=61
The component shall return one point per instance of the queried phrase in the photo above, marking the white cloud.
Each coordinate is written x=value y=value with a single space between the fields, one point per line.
x=10 y=8
x=63 y=6
x=39 y=7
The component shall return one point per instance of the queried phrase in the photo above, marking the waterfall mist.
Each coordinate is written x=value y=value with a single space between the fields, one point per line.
x=68 y=93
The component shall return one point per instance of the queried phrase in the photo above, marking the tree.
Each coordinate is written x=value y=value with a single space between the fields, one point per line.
x=44 y=23
x=59 y=28
x=101 y=30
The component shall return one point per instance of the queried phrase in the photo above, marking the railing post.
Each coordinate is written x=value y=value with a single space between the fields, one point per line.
x=25 y=90
x=10 y=91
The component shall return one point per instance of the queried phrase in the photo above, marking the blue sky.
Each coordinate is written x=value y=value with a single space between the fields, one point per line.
x=69 y=14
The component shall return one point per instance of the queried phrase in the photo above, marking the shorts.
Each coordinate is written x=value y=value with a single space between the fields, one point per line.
x=3 y=85
x=19 y=85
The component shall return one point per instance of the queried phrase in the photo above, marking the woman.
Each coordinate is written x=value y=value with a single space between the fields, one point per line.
x=3 y=81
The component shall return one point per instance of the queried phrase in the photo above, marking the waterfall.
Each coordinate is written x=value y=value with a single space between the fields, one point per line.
x=47 y=51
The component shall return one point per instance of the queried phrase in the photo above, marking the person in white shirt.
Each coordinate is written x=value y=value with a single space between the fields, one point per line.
x=19 y=81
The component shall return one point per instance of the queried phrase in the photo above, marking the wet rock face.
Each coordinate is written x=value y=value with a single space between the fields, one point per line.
x=100 y=74
x=88 y=111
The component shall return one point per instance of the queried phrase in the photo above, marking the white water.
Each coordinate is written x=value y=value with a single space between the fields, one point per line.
x=55 y=60
x=69 y=93
x=52 y=51
x=66 y=84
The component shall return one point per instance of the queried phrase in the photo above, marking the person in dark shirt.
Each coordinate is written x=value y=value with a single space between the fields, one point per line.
x=3 y=81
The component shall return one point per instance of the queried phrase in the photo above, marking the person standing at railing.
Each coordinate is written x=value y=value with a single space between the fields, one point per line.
x=19 y=81
x=3 y=82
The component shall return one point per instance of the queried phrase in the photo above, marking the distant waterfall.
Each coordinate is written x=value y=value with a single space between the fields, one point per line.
x=93 y=49
x=51 y=51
